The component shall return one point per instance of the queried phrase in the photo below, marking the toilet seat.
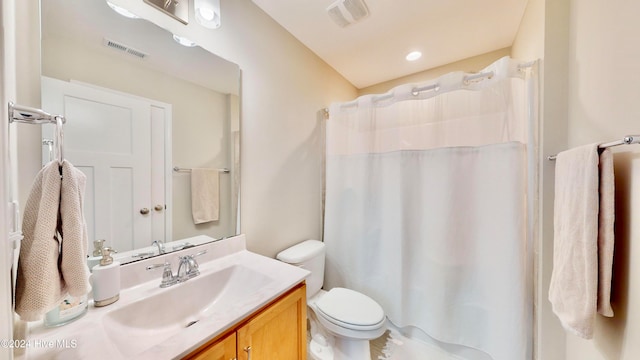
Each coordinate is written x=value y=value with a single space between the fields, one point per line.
x=350 y=309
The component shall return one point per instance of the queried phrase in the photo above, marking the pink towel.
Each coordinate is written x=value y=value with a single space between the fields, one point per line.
x=53 y=253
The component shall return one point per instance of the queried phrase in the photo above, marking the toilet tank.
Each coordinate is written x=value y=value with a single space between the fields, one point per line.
x=308 y=255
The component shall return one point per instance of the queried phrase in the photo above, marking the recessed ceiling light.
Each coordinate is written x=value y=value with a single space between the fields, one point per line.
x=413 y=56
x=122 y=11
x=183 y=41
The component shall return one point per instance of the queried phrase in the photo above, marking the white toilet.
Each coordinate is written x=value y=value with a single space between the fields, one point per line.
x=342 y=320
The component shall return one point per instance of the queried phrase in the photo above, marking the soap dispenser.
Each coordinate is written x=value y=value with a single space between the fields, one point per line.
x=96 y=256
x=106 y=279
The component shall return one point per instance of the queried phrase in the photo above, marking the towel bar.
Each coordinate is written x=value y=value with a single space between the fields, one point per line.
x=627 y=140
x=179 y=169
x=25 y=114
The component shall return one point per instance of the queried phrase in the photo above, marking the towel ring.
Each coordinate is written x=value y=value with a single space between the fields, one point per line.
x=59 y=138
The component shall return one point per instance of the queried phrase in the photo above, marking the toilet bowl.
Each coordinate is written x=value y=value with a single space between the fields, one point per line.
x=342 y=320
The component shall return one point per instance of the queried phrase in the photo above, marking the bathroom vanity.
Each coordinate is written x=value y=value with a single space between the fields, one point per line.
x=278 y=331
x=240 y=304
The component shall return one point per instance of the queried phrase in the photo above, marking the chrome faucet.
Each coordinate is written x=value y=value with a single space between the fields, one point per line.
x=167 y=275
x=188 y=267
x=159 y=245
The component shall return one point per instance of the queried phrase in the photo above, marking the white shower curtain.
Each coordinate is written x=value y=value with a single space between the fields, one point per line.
x=426 y=207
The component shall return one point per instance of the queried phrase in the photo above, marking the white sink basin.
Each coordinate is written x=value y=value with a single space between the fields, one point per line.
x=150 y=321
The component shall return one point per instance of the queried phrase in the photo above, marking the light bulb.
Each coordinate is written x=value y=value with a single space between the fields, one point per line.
x=207 y=13
x=122 y=11
x=183 y=41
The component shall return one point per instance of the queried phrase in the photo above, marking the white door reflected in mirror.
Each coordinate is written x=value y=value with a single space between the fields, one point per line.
x=113 y=138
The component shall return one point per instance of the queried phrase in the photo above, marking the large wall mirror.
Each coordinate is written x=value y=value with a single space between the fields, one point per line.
x=138 y=105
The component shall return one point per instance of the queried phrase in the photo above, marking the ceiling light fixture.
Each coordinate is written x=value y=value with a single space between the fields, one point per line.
x=413 y=56
x=207 y=13
x=183 y=41
x=122 y=11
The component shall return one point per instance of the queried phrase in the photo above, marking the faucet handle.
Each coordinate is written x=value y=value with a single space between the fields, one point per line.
x=190 y=265
x=193 y=262
x=199 y=253
x=167 y=275
x=155 y=266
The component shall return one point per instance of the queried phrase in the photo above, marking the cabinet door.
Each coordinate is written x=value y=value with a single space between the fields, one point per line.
x=278 y=332
x=224 y=349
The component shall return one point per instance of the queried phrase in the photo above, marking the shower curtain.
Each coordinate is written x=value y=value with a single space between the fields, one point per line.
x=428 y=206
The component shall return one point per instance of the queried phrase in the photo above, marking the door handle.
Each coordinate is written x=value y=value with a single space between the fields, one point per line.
x=144 y=211
x=248 y=350
x=158 y=207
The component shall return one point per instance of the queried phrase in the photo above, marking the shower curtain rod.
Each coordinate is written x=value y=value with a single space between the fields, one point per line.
x=627 y=140
x=417 y=90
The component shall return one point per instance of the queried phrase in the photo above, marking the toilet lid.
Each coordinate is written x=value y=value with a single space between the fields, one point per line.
x=350 y=307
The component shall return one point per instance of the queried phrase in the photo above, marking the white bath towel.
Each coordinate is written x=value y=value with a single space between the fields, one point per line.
x=573 y=291
x=205 y=195
x=606 y=237
x=53 y=252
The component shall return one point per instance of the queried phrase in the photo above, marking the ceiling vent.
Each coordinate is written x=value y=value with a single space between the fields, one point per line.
x=347 y=12
x=124 y=48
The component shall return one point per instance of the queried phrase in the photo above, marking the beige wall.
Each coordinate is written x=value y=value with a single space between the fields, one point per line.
x=472 y=64
x=200 y=120
x=284 y=86
x=603 y=106
x=543 y=35
x=589 y=94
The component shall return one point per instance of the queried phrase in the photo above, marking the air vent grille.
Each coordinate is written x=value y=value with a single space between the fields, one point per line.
x=356 y=8
x=124 y=48
x=336 y=15
x=347 y=12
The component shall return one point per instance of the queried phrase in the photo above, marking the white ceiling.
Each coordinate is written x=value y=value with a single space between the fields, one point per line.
x=373 y=50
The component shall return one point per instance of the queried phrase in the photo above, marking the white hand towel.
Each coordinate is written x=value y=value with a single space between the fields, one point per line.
x=574 y=288
x=53 y=252
x=205 y=195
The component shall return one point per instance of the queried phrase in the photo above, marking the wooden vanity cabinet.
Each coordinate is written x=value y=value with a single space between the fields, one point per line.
x=277 y=331
x=223 y=349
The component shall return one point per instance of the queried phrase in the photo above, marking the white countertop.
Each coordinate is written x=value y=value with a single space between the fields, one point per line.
x=86 y=338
